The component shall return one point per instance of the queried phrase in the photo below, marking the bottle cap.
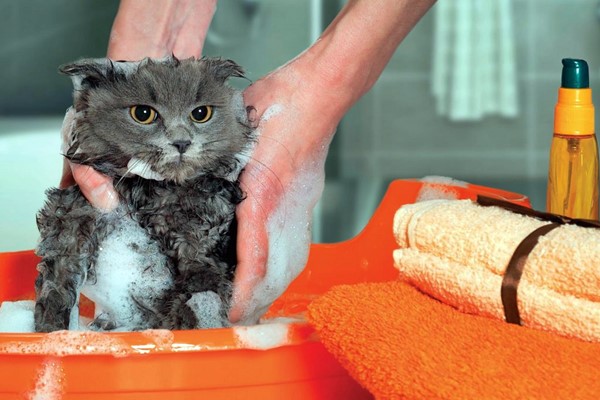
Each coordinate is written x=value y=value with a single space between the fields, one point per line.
x=574 y=111
x=575 y=74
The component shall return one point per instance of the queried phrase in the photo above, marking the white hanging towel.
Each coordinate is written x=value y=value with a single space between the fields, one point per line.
x=474 y=72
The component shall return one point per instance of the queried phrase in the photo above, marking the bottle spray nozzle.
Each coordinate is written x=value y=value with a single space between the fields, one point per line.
x=575 y=74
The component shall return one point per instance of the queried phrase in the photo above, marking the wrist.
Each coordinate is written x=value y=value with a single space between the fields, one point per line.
x=352 y=52
x=156 y=28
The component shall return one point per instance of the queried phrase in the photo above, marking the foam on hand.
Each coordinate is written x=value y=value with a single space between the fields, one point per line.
x=288 y=229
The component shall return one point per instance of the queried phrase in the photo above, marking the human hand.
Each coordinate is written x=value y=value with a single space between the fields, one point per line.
x=97 y=188
x=283 y=181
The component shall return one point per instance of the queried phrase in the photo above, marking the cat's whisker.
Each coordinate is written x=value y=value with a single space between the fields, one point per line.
x=129 y=169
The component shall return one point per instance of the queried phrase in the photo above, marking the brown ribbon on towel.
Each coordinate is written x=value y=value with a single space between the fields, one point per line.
x=514 y=269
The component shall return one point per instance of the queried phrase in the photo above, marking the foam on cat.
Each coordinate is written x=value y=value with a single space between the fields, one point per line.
x=207 y=307
x=128 y=265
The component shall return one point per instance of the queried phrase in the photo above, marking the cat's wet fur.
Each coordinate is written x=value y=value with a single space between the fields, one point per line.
x=182 y=198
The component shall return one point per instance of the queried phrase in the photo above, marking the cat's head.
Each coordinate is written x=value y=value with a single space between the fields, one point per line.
x=160 y=119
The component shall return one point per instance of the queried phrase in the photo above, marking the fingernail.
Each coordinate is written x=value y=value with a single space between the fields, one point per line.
x=104 y=198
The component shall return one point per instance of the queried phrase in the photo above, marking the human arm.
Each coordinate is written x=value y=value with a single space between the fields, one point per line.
x=305 y=99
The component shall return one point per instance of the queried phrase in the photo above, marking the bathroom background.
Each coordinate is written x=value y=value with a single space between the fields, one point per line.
x=396 y=131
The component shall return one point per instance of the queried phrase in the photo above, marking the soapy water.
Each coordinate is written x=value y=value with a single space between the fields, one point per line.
x=269 y=333
x=50 y=381
x=263 y=336
x=67 y=343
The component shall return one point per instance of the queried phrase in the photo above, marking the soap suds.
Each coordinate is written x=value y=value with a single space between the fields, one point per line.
x=50 y=381
x=439 y=187
x=443 y=180
x=288 y=226
x=271 y=112
x=129 y=266
x=17 y=316
x=207 y=308
x=289 y=236
x=162 y=338
x=263 y=336
x=66 y=343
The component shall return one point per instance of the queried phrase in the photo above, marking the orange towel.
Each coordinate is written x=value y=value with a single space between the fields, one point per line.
x=457 y=251
x=400 y=343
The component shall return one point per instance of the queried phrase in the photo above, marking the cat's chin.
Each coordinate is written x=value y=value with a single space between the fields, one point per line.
x=141 y=168
x=178 y=172
x=174 y=171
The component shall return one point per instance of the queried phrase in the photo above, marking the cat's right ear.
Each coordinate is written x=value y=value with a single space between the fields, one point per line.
x=86 y=73
x=94 y=72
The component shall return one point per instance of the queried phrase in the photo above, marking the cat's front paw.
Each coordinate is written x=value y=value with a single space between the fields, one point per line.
x=179 y=315
x=208 y=309
x=51 y=314
x=103 y=322
x=198 y=311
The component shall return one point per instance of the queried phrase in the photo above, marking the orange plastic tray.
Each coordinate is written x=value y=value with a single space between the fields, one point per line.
x=210 y=363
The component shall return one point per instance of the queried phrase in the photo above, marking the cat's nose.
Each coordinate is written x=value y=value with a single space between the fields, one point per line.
x=182 y=145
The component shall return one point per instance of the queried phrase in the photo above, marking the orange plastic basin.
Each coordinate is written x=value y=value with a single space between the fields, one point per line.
x=211 y=363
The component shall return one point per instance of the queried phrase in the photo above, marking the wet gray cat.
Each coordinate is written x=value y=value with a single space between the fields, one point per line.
x=174 y=137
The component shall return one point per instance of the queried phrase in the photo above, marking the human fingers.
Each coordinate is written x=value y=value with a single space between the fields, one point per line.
x=252 y=254
x=97 y=188
x=66 y=179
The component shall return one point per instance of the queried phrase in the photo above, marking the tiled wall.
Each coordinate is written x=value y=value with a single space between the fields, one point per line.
x=260 y=40
x=394 y=131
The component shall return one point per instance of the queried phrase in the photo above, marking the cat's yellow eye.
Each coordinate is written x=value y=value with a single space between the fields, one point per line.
x=201 y=114
x=143 y=114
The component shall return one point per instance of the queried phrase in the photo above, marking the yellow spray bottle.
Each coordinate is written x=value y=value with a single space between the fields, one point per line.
x=573 y=171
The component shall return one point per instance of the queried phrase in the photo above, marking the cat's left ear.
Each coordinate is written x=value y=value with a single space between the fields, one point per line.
x=224 y=69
